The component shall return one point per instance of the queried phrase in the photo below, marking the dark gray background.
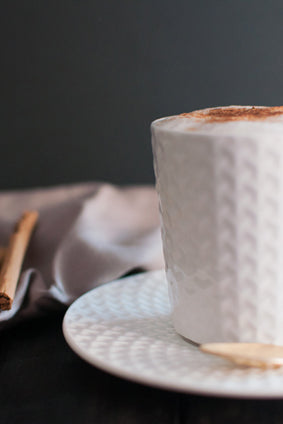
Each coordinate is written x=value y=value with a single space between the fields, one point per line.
x=82 y=80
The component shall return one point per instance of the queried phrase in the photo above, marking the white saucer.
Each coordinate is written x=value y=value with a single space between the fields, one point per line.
x=124 y=328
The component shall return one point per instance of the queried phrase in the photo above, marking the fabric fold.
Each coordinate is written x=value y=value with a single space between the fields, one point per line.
x=87 y=235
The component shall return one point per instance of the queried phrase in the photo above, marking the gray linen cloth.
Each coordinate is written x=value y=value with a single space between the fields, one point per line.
x=87 y=234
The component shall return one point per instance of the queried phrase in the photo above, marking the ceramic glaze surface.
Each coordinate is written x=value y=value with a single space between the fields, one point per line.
x=221 y=203
x=125 y=328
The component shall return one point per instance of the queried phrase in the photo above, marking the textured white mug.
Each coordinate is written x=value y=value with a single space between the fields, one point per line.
x=219 y=175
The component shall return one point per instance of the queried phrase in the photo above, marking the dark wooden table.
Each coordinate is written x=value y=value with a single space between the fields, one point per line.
x=44 y=382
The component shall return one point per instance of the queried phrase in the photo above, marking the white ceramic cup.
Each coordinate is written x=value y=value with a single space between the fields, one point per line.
x=219 y=175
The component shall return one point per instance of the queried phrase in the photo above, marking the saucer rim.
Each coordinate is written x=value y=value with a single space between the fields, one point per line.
x=160 y=383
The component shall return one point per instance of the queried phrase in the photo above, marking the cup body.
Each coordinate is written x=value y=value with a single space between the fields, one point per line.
x=221 y=204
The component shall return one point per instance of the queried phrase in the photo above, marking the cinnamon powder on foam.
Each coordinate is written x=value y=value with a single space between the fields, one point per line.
x=235 y=114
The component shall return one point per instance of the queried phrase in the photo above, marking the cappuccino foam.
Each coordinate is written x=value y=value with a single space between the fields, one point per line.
x=226 y=120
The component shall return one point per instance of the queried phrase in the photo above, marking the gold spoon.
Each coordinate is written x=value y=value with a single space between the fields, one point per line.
x=251 y=354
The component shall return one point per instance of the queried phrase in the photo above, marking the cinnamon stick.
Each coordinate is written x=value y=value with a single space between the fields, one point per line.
x=2 y=254
x=14 y=256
